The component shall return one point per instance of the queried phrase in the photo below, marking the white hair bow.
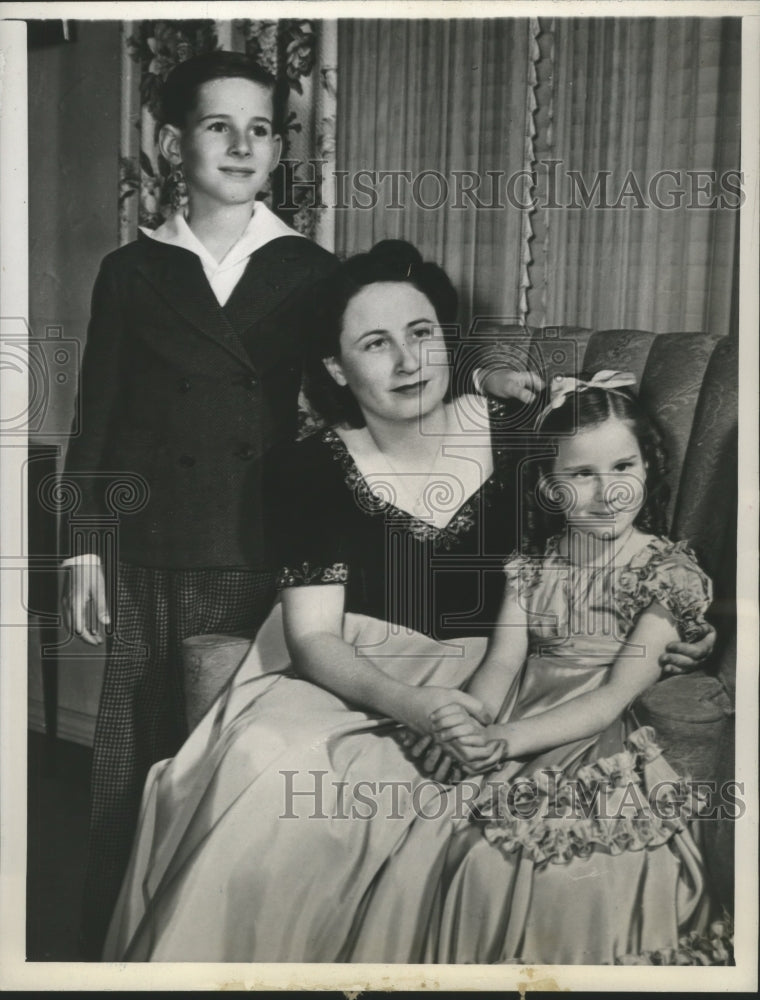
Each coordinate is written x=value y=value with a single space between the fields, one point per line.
x=561 y=386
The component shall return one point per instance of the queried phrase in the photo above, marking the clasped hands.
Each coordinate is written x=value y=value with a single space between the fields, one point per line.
x=453 y=738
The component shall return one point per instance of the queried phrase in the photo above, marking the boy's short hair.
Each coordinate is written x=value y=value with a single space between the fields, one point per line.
x=180 y=90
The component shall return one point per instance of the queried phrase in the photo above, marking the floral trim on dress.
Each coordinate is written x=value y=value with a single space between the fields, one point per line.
x=523 y=573
x=369 y=501
x=627 y=802
x=306 y=574
x=662 y=571
x=666 y=572
x=714 y=947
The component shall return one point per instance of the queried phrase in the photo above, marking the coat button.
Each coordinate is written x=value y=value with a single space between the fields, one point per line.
x=251 y=382
x=186 y=461
x=246 y=452
x=184 y=385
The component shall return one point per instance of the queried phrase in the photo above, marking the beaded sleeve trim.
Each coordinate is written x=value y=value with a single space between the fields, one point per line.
x=307 y=574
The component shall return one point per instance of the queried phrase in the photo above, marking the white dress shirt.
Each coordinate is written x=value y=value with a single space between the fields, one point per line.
x=223 y=275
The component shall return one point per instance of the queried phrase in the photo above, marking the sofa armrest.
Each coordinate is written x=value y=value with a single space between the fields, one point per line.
x=689 y=713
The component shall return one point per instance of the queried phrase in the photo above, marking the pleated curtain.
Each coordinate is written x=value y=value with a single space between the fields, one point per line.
x=441 y=97
x=635 y=97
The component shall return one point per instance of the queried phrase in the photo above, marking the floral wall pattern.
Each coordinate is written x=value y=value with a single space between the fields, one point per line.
x=301 y=52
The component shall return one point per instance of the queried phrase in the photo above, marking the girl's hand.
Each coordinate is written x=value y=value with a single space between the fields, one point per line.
x=84 y=601
x=683 y=657
x=422 y=703
x=478 y=748
x=480 y=754
x=495 y=753
x=454 y=722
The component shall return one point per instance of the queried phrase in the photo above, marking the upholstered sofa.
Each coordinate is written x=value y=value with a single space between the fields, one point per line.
x=690 y=381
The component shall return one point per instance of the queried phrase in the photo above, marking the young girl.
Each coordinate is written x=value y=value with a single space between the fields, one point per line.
x=581 y=862
x=190 y=376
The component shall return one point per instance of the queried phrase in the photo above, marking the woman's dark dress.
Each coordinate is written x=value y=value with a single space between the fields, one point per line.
x=211 y=844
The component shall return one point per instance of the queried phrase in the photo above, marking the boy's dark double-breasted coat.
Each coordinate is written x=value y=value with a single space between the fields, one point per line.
x=182 y=398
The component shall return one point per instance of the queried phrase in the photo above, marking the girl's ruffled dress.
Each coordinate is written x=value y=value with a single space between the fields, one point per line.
x=582 y=854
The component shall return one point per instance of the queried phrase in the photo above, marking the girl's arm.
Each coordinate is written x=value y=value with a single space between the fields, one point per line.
x=313 y=620
x=476 y=746
x=505 y=656
x=633 y=672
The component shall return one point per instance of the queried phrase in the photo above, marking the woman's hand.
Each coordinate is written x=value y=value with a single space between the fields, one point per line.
x=477 y=747
x=506 y=383
x=683 y=657
x=430 y=757
x=422 y=703
x=84 y=601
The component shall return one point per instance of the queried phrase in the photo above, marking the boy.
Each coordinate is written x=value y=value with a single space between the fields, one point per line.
x=190 y=376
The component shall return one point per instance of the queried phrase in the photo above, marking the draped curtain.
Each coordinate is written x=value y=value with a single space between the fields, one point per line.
x=301 y=52
x=450 y=103
x=635 y=97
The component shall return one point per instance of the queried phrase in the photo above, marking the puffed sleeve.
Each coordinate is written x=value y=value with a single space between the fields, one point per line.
x=522 y=574
x=668 y=573
x=303 y=506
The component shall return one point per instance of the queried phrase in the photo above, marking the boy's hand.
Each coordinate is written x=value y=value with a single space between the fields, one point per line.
x=683 y=657
x=83 y=603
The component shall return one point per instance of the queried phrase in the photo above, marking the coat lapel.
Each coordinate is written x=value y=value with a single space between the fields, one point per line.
x=177 y=275
x=274 y=272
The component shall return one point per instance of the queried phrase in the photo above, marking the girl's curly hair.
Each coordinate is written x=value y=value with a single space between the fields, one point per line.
x=580 y=411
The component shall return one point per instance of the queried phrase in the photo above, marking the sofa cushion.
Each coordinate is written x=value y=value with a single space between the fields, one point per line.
x=705 y=507
x=619 y=350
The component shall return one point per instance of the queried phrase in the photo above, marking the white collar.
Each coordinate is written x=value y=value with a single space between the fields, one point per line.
x=263 y=227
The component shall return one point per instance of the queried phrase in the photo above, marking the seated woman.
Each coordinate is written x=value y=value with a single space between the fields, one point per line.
x=292 y=826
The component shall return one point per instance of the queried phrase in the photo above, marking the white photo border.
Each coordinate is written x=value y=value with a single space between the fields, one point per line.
x=15 y=972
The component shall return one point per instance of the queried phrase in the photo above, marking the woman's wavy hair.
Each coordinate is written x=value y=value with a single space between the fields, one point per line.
x=389 y=260
x=580 y=411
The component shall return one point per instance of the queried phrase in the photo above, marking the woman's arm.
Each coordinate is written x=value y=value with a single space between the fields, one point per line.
x=590 y=714
x=313 y=620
